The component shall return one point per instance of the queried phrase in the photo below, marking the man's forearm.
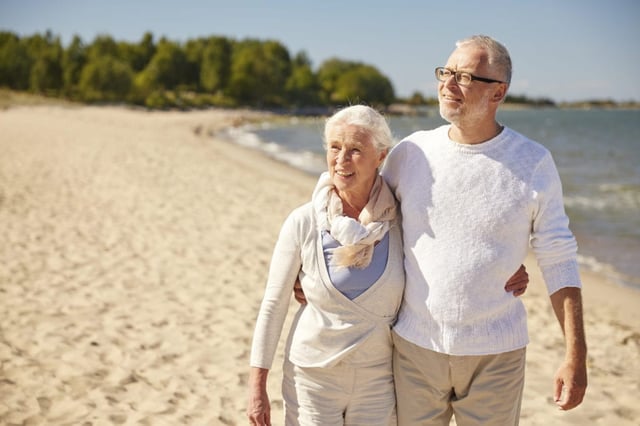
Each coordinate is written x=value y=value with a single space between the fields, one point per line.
x=567 y=305
x=570 y=381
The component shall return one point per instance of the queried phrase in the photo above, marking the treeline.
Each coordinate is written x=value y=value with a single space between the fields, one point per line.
x=209 y=71
x=417 y=99
x=522 y=99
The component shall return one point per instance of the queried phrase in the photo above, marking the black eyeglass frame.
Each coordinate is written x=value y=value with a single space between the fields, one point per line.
x=455 y=75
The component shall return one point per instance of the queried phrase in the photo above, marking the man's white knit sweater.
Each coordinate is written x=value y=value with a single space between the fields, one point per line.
x=470 y=213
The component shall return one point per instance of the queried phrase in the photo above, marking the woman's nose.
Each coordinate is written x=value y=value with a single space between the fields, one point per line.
x=343 y=155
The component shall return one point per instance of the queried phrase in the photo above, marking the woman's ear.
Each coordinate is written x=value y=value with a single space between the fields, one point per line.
x=383 y=155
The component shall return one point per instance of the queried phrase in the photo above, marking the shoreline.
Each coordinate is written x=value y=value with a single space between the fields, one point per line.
x=598 y=252
x=137 y=248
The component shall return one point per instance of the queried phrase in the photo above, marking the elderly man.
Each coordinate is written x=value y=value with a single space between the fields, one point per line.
x=474 y=196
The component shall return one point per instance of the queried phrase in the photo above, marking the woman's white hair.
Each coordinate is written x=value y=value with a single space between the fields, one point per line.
x=365 y=118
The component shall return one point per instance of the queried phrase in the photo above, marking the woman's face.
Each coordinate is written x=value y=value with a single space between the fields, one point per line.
x=352 y=160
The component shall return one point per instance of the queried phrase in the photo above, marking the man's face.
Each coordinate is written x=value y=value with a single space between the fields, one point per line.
x=472 y=103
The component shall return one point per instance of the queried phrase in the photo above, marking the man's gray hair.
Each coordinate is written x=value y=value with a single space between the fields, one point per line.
x=497 y=52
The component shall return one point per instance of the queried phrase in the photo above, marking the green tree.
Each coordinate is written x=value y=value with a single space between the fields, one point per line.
x=215 y=66
x=106 y=79
x=209 y=62
x=345 y=82
x=194 y=52
x=137 y=55
x=147 y=49
x=167 y=69
x=44 y=63
x=329 y=73
x=103 y=46
x=73 y=60
x=259 y=72
x=15 y=63
x=46 y=70
x=302 y=85
x=363 y=84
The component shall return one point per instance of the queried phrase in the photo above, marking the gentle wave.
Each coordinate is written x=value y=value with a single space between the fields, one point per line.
x=608 y=270
x=307 y=161
x=613 y=197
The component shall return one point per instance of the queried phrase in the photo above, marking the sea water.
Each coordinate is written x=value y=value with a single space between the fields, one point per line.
x=597 y=153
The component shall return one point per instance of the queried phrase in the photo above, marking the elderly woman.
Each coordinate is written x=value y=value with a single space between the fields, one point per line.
x=345 y=247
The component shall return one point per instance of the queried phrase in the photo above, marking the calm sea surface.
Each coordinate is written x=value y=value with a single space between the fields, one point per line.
x=598 y=157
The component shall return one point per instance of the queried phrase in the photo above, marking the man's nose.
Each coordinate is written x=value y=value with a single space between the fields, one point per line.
x=450 y=81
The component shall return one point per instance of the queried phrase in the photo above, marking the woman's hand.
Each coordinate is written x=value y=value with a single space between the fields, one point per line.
x=517 y=284
x=258 y=407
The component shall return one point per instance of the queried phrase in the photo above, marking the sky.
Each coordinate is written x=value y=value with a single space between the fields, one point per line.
x=564 y=50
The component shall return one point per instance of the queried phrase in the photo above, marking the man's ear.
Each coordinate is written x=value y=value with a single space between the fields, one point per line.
x=500 y=93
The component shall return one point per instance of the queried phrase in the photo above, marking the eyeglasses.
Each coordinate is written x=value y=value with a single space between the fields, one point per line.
x=462 y=78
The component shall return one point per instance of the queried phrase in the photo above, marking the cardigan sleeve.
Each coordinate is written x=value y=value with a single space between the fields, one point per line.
x=551 y=239
x=285 y=266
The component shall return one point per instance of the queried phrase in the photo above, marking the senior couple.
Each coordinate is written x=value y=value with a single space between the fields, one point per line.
x=407 y=316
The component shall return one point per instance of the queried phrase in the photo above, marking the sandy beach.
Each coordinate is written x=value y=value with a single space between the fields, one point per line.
x=134 y=248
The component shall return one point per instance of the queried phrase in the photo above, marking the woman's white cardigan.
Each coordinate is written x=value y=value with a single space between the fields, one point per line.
x=330 y=328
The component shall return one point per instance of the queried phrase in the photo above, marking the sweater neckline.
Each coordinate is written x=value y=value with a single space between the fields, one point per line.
x=478 y=148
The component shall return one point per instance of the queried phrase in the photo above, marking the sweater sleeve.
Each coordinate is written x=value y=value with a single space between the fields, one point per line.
x=285 y=266
x=551 y=239
x=392 y=166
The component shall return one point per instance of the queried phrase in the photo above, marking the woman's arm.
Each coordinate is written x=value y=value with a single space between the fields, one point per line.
x=283 y=272
x=258 y=407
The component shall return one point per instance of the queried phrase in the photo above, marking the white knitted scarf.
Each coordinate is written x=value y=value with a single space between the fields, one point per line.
x=357 y=237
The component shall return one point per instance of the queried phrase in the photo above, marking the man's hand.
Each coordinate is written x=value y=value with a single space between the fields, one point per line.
x=570 y=385
x=298 y=293
x=517 y=284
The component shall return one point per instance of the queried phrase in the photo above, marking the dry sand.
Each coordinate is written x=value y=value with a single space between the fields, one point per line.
x=133 y=253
